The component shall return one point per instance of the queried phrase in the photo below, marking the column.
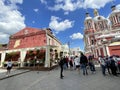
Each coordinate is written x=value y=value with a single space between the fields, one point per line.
x=107 y=49
x=104 y=50
x=99 y=52
x=22 y=57
x=47 y=57
x=3 y=54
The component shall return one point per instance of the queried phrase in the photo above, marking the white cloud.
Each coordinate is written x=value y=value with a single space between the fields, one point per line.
x=76 y=36
x=72 y=5
x=3 y=37
x=67 y=5
x=11 y=20
x=43 y=1
x=36 y=10
x=58 y=26
x=95 y=3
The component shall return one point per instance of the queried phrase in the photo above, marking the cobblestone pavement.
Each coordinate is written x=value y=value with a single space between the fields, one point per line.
x=49 y=80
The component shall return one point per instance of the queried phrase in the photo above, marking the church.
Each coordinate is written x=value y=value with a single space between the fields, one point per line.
x=102 y=35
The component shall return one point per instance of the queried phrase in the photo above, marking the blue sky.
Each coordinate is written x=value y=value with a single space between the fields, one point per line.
x=64 y=17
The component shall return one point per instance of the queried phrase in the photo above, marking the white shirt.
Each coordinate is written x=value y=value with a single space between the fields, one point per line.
x=77 y=61
x=9 y=64
x=102 y=62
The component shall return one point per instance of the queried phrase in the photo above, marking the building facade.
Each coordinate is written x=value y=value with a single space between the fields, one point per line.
x=101 y=35
x=34 y=39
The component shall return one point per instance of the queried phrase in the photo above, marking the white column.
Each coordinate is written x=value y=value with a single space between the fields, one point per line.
x=104 y=50
x=96 y=53
x=47 y=57
x=88 y=41
x=108 y=52
x=3 y=54
x=99 y=52
x=22 y=57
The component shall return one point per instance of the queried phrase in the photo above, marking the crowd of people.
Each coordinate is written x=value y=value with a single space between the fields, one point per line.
x=109 y=64
x=76 y=63
x=83 y=63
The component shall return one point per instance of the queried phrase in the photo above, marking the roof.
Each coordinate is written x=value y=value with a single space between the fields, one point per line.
x=97 y=18
x=114 y=44
x=87 y=18
x=115 y=11
x=26 y=31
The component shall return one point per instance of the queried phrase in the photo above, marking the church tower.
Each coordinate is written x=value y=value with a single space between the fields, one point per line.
x=115 y=17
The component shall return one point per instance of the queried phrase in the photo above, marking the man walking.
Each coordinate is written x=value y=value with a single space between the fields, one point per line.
x=84 y=63
x=61 y=63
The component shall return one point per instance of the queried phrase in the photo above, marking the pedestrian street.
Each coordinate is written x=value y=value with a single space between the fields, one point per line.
x=50 y=80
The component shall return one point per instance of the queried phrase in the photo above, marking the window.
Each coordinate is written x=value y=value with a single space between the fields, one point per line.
x=92 y=41
x=26 y=32
x=49 y=41
x=89 y=25
x=95 y=26
x=119 y=18
x=101 y=26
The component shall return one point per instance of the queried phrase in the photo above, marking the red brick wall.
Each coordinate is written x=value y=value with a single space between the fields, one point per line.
x=31 y=41
x=114 y=50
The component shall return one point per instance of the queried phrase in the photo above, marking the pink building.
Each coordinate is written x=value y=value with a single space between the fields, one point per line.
x=101 y=35
x=33 y=39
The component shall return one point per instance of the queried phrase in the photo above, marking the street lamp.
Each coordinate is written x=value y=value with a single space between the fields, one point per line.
x=69 y=48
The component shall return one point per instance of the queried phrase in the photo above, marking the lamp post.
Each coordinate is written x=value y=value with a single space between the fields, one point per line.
x=69 y=48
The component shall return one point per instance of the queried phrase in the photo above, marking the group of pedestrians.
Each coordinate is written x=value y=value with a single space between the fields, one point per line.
x=77 y=63
x=108 y=64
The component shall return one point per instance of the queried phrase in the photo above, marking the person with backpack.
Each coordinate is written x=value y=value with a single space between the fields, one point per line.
x=84 y=63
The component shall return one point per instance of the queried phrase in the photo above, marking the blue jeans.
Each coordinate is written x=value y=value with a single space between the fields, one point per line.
x=103 y=69
x=92 y=67
x=83 y=66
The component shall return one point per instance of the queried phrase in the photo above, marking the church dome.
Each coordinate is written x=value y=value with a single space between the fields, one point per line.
x=98 y=18
x=87 y=18
x=115 y=11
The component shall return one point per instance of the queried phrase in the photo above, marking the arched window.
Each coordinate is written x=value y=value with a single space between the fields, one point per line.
x=92 y=41
x=101 y=26
x=89 y=25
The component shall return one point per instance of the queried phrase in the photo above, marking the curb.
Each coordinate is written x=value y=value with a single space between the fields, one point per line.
x=14 y=75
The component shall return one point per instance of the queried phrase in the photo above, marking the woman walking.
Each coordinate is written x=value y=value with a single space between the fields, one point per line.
x=9 y=67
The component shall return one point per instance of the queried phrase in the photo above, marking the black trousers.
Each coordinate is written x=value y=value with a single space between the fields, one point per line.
x=114 y=70
x=61 y=72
